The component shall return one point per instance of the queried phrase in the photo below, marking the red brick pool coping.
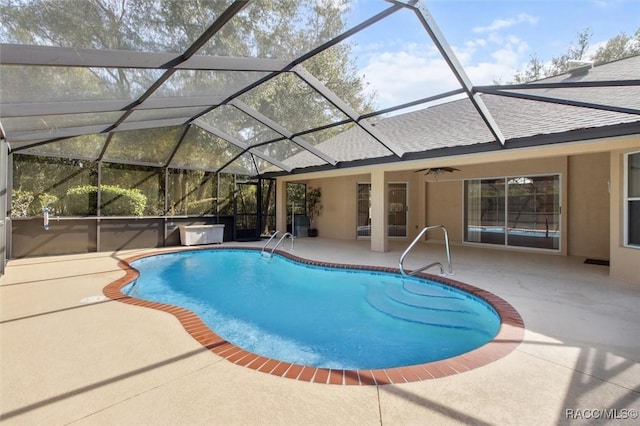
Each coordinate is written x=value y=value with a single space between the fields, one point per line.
x=508 y=338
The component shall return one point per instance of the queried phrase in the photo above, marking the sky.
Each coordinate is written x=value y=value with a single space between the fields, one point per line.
x=492 y=39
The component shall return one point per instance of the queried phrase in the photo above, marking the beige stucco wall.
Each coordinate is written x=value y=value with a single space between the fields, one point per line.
x=338 y=217
x=592 y=217
x=588 y=208
x=444 y=207
x=625 y=261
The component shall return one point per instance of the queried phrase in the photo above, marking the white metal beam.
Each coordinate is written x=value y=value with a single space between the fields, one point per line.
x=346 y=109
x=280 y=129
x=450 y=58
x=245 y=148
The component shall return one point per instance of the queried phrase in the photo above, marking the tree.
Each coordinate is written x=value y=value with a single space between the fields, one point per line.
x=620 y=47
x=314 y=204
x=282 y=29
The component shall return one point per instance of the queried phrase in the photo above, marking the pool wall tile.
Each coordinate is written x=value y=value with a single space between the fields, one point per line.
x=294 y=371
x=351 y=377
x=506 y=341
x=258 y=362
x=336 y=377
x=269 y=366
x=322 y=375
x=394 y=375
x=380 y=377
x=281 y=369
x=244 y=361
x=366 y=377
x=238 y=356
x=307 y=374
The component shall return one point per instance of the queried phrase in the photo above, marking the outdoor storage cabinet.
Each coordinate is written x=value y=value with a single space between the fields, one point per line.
x=201 y=234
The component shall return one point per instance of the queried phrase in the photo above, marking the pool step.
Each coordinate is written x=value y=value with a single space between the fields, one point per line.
x=437 y=317
x=437 y=303
x=429 y=290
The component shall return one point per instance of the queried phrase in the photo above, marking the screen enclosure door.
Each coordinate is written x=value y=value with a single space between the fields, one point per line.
x=246 y=210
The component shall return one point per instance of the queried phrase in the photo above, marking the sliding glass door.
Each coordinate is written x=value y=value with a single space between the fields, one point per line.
x=485 y=207
x=519 y=211
x=632 y=200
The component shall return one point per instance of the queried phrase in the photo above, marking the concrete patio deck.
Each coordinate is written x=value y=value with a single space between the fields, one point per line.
x=69 y=357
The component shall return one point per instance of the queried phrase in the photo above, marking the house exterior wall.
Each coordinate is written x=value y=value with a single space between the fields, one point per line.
x=625 y=261
x=338 y=217
x=585 y=204
x=588 y=231
x=592 y=186
x=444 y=207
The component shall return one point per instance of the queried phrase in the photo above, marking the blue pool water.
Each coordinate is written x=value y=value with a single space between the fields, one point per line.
x=317 y=316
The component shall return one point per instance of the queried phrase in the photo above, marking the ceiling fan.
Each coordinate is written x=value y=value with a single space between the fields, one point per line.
x=437 y=171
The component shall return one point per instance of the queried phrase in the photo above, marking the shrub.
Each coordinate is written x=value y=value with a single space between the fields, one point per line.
x=48 y=201
x=200 y=207
x=25 y=204
x=21 y=203
x=116 y=201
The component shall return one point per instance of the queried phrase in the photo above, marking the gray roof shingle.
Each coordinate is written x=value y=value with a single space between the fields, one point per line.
x=457 y=124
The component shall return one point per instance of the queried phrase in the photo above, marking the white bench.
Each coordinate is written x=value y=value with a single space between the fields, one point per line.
x=201 y=234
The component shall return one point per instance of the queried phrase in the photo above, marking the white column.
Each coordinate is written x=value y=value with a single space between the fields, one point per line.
x=422 y=206
x=379 y=213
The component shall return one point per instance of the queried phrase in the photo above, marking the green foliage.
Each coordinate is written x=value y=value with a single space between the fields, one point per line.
x=48 y=201
x=201 y=207
x=314 y=205
x=82 y=201
x=26 y=204
x=116 y=201
x=147 y=180
x=282 y=29
x=619 y=47
x=20 y=203
x=296 y=193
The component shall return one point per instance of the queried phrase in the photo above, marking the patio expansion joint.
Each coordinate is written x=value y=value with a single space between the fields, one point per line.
x=379 y=404
x=566 y=367
x=143 y=392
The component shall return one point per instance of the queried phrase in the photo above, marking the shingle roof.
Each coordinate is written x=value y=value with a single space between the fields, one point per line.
x=457 y=124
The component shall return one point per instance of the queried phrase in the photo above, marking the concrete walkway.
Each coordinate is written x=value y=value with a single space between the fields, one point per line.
x=67 y=356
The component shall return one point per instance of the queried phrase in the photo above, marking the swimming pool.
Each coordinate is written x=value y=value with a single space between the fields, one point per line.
x=246 y=317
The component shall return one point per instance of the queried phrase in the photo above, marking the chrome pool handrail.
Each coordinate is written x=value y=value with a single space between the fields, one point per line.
x=415 y=241
x=275 y=234
x=285 y=235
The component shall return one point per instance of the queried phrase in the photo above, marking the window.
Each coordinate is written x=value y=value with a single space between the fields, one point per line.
x=363 y=205
x=397 y=210
x=632 y=199
x=521 y=211
x=296 y=203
